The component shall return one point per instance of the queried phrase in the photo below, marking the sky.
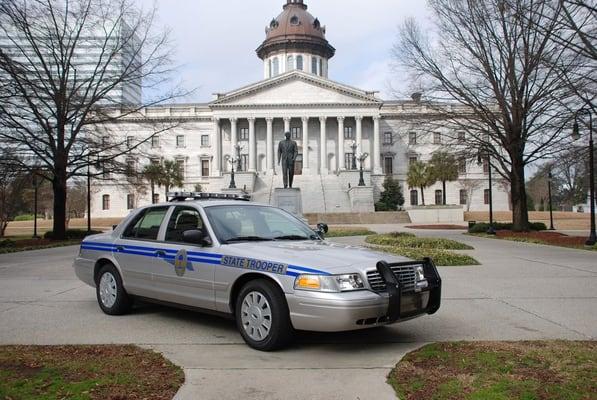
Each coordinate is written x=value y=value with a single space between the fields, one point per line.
x=216 y=40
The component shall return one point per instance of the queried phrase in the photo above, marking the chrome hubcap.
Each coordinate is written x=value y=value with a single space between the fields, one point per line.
x=107 y=289
x=256 y=316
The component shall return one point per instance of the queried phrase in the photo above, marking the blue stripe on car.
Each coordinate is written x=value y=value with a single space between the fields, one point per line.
x=193 y=256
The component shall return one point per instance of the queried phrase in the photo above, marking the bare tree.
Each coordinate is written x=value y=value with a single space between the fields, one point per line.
x=491 y=73
x=71 y=73
x=470 y=185
x=13 y=183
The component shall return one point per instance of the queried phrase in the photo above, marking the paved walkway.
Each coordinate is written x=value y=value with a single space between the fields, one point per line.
x=522 y=291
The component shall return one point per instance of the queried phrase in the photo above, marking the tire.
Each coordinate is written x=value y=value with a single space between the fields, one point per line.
x=252 y=304
x=111 y=296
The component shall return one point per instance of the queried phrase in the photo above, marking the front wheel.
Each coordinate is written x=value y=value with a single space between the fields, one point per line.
x=262 y=316
x=111 y=296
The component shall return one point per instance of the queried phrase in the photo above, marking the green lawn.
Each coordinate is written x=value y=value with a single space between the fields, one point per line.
x=498 y=371
x=86 y=372
x=408 y=245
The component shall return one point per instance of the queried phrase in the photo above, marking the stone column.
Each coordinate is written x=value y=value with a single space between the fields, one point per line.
x=323 y=146
x=233 y=137
x=269 y=151
x=217 y=160
x=305 y=121
x=252 y=146
x=286 y=125
x=359 y=123
x=376 y=147
x=341 y=157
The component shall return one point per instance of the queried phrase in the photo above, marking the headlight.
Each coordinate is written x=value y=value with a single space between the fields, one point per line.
x=419 y=273
x=329 y=283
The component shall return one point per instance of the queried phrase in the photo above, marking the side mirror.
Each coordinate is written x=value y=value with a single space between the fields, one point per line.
x=322 y=229
x=196 y=236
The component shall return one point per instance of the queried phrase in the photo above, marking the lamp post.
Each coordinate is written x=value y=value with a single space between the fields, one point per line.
x=484 y=155
x=35 y=182
x=232 y=162
x=576 y=135
x=354 y=146
x=549 y=178
x=362 y=159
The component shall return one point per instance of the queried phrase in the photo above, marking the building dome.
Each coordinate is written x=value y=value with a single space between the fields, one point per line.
x=295 y=31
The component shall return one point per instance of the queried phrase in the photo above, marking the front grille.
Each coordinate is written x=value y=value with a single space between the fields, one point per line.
x=405 y=275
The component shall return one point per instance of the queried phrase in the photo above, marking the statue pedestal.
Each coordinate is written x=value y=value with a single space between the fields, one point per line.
x=289 y=200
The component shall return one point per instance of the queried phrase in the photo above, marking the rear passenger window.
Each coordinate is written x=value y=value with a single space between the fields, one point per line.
x=147 y=225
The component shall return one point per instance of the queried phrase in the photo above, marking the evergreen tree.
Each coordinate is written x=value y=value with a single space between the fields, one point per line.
x=391 y=197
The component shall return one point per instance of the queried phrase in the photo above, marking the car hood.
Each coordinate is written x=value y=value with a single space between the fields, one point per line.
x=320 y=255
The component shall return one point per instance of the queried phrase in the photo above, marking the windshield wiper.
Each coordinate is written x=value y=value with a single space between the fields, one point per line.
x=294 y=237
x=247 y=239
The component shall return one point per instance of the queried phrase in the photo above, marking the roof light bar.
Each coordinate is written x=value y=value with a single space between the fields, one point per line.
x=183 y=196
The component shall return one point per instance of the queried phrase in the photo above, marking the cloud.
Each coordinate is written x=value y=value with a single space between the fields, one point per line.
x=216 y=39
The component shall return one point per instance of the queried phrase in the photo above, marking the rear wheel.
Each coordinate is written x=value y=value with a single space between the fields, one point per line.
x=111 y=296
x=262 y=316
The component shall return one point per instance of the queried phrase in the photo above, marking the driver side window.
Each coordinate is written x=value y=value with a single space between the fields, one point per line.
x=183 y=219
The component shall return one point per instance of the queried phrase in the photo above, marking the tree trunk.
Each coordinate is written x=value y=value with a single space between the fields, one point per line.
x=152 y=192
x=3 y=226
x=422 y=196
x=520 y=214
x=444 y=192
x=59 y=189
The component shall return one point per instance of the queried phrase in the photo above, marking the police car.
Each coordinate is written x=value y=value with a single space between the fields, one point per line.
x=258 y=264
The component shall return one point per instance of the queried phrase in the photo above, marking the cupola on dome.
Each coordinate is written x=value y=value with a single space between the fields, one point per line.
x=295 y=29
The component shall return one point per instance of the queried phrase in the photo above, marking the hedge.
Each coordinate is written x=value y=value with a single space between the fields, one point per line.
x=71 y=234
x=442 y=258
x=416 y=242
x=483 y=227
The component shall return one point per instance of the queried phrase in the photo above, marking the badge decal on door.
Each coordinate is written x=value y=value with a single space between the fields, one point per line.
x=180 y=262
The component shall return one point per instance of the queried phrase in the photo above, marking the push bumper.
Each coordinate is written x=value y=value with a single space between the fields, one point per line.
x=334 y=312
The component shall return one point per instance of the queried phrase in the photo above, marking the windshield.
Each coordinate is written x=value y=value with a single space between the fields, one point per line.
x=240 y=223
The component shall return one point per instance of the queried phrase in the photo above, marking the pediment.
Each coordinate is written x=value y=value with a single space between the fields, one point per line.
x=295 y=88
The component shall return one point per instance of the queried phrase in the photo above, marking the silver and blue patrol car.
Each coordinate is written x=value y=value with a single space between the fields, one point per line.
x=258 y=264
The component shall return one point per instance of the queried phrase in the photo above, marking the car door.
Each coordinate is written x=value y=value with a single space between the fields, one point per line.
x=138 y=251
x=188 y=268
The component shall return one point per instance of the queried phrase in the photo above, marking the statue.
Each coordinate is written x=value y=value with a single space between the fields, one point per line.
x=287 y=153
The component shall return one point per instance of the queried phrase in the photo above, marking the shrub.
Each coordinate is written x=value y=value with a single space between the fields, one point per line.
x=339 y=232
x=482 y=227
x=415 y=242
x=71 y=234
x=7 y=243
x=391 y=197
x=442 y=258
x=24 y=217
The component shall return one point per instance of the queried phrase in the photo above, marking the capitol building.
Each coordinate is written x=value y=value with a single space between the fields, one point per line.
x=333 y=124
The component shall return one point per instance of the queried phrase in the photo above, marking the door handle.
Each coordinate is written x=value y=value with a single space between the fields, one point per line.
x=160 y=253
x=119 y=249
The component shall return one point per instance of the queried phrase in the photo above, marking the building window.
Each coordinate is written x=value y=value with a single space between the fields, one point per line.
x=463 y=197
x=348 y=160
x=155 y=141
x=179 y=141
x=130 y=141
x=180 y=164
x=388 y=165
x=299 y=63
x=412 y=159
x=462 y=165
x=276 y=66
x=387 y=138
x=130 y=201
x=130 y=168
x=295 y=133
x=348 y=132
x=154 y=160
x=156 y=198
x=412 y=138
x=106 y=172
x=461 y=137
x=414 y=198
x=105 y=141
x=437 y=138
x=204 y=140
x=320 y=67
x=439 y=198
x=244 y=134
x=485 y=166
x=289 y=63
x=243 y=162
x=204 y=168
x=314 y=65
x=486 y=196
x=106 y=202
